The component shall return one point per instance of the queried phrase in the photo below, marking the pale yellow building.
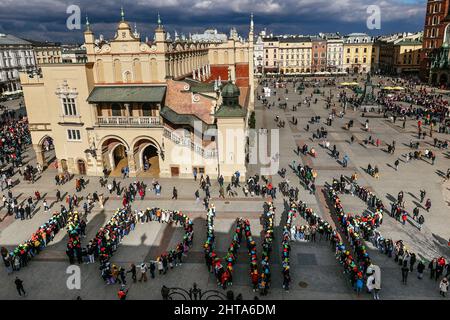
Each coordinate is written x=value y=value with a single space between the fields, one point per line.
x=360 y=53
x=271 y=55
x=400 y=53
x=46 y=52
x=407 y=56
x=154 y=109
x=295 y=54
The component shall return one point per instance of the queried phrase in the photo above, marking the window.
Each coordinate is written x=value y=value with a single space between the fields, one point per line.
x=69 y=107
x=73 y=135
x=199 y=170
x=116 y=110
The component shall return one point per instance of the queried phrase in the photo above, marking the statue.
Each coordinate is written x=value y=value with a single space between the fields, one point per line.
x=368 y=98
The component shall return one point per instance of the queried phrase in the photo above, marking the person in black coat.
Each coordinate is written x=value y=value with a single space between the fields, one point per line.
x=133 y=272
x=19 y=286
x=412 y=261
x=152 y=269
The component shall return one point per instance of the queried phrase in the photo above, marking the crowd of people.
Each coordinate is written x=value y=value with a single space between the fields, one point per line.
x=20 y=256
x=223 y=268
x=108 y=238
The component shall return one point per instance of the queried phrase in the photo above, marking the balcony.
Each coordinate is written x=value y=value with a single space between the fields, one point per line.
x=128 y=121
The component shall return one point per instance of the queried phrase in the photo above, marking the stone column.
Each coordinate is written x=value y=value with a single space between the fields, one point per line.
x=193 y=74
x=40 y=157
x=127 y=110
x=131 y=163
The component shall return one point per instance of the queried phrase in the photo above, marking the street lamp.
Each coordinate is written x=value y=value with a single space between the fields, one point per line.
x=92 y=150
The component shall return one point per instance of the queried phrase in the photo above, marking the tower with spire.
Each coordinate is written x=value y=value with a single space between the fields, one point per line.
x=89 y=38
x=251 y=62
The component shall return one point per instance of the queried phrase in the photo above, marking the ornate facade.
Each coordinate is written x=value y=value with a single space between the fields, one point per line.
x=152 y=108
x=16 y=55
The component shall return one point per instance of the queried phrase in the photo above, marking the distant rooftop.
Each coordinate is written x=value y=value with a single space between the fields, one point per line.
x=8 y=39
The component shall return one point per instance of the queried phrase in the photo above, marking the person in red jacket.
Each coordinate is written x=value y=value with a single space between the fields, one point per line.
x=255 y=279
x=122 y=293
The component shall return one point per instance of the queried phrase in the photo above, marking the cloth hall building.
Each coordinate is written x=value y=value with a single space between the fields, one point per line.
x=164 y=108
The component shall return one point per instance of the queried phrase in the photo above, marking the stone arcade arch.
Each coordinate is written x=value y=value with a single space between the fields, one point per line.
x=114 y=154
x=44 y=150
x=146 y=154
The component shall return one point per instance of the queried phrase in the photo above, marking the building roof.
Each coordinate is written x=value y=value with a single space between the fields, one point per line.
x=230 y=107
x=183 y=119
x=183 y=101
x=267 y=39
x=44 y=43
x=230 y=112
x=230 y=90
x=127 y=94
x=199 y=87
x=295 y=39
x=9 y=39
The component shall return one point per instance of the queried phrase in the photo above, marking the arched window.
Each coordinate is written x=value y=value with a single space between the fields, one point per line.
x=127 y=77
x=137 y=72
x=100 y=71
x=215 y=57
x=117 y=71
x=154 y=71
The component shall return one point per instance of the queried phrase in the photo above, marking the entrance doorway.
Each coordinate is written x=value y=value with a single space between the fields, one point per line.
x=175 y=171
x=120 y=159
x=150 y=160
x=64 y=165
x=81 y=167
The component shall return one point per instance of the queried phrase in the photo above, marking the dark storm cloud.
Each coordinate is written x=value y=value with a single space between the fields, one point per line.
x=46 y=19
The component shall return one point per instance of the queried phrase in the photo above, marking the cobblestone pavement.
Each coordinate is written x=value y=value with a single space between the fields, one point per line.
x=315 y=272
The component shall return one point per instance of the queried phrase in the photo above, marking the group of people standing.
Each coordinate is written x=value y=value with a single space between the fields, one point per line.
x=260 y=277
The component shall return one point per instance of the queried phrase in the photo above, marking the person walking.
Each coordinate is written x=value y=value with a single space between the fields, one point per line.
x=443 y=287
x=122 y=294
x=432 y=266
x=144 y=269
x=133 y=272
x=405 y=271
x=152 y=269
x=422 y=195
x=19 y=286
x=396 y=163
x=428 y=205
x=197 y=196
x=45 y=204
x=420 y=269
x=174 y=193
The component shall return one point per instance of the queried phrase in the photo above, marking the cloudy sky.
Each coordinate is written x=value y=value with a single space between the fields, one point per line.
x=46 y=19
